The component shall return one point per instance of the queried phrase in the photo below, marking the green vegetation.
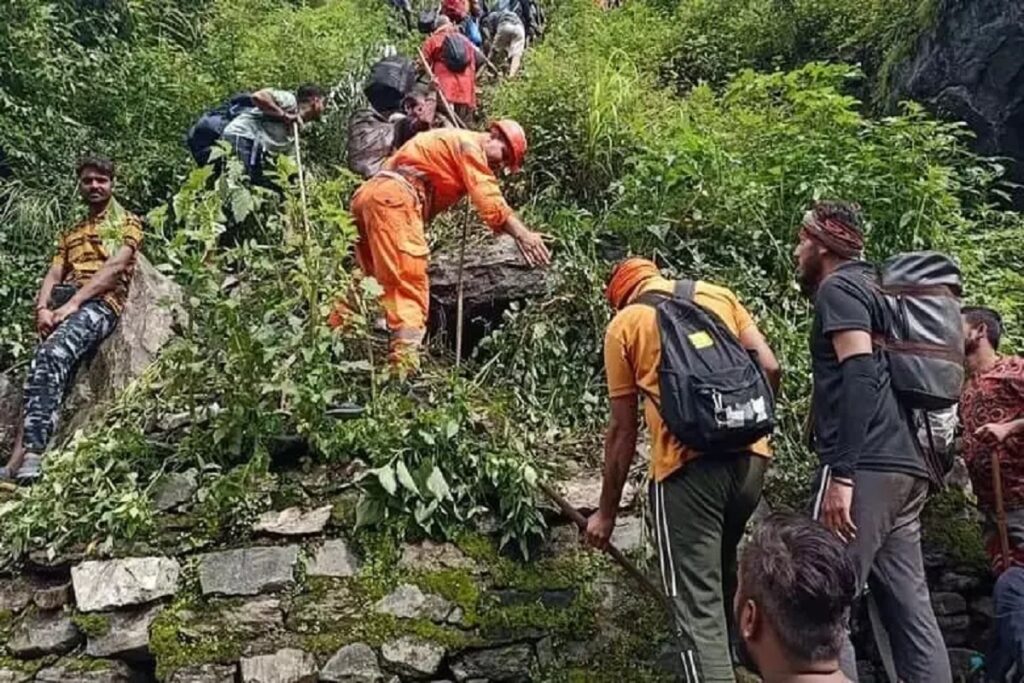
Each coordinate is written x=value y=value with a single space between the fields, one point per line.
x=92 y=625
x=696 y=132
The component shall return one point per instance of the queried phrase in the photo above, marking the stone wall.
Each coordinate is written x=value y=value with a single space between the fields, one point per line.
x=301 y=598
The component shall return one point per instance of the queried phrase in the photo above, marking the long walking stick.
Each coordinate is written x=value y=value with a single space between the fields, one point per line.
x=997 y=486
x=308 y=241
x=460 y=300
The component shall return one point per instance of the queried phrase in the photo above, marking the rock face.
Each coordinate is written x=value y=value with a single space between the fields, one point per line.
x=147 y=324
x=971 y=68
x=44 y=633
x=120 y=583
x=175 y=489
x=355 y=663
x=409 y=602
x=15 y=594
x=284 y=666
x=247 y=571
x=293 y=521
x=333 y=558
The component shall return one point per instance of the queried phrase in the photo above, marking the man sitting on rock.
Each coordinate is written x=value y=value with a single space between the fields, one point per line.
x=78 y=305
x=792 y=608
x=992 y=413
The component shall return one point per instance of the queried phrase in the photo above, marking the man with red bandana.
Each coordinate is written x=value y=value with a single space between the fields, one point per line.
x=700 y=501
x=873 y=480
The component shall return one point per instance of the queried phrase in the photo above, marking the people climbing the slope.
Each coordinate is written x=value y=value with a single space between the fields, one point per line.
x=268 y=127
x=505 y=34
x=873 y=480
x=428 y=175
x=992 y=414
x=703 y=485
x=78 y=305
x=452 y=58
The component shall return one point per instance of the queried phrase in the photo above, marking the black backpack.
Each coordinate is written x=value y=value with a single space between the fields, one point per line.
x=390 y=80
x=455 y=52
x=427 y=21
x=715 y=397
x=202 y=136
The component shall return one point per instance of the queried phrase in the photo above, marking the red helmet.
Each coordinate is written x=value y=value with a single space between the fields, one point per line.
x=514 y=136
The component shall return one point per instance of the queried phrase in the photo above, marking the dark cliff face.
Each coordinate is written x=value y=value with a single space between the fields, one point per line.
x=971 y=67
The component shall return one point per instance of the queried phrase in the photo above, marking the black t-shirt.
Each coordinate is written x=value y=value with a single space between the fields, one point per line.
x=847 y=301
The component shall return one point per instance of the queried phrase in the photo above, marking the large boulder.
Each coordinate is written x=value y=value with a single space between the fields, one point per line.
x=120 y=583
x=494 y=275
x=970 y=67
x=147 y=324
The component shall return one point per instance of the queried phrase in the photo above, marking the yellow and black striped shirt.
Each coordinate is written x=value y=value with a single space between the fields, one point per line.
x=84 y=249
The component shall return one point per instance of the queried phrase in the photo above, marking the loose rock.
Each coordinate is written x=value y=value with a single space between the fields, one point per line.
x=15 y=595
x=127 y=636
x=334 y=558
x=355 y=663
x=175 y=489
x=409 y=602
x=208 y=673
x=511 y=663
x=44 y=633
x=948 y=604
x=95 y=671
x=293 y=521
x=413 y=657
x=52 y=597
x=432 y=557
x=284 y=666
x=8 y=675
x=107 y=585
x=261 y=615
x=247 y=571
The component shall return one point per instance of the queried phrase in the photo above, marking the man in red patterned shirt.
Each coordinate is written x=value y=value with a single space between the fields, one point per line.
x=992 y=413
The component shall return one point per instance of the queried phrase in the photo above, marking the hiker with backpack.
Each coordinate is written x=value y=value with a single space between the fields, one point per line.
x=992 y=415
x=452 y=59
x=688 y=348
x=504 y=32
x=267 y=127
x=874 y=480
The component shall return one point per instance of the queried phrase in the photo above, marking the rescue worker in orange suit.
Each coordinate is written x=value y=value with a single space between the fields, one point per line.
x=426 y=176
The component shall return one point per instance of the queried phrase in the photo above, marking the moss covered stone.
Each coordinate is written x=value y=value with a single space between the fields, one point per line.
x=951 y=525
x=92 y=625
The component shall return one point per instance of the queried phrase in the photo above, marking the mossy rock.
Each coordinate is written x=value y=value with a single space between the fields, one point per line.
x=92 y=625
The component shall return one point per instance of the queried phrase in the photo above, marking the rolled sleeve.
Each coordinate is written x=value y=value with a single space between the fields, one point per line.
x=618 y=368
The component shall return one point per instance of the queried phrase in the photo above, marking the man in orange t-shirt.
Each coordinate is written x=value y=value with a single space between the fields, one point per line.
x=426 y=176
x=700 y=502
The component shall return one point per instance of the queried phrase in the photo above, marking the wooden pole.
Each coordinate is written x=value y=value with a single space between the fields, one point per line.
x=448 y=109
x=459 y=322
x=997 y=487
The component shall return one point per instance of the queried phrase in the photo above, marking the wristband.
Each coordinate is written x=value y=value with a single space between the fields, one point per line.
x=843 y=482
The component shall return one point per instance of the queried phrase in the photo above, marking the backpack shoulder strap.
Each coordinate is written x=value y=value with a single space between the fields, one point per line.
x=685 y=289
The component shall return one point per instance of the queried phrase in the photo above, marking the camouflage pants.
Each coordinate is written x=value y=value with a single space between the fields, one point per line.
x=54 y=365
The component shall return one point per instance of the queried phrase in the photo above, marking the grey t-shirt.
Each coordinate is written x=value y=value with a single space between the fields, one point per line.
x=275 y=136
x=847 y=301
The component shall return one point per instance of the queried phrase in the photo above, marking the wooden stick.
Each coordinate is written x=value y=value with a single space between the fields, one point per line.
x=616 y=554
x=459 y=322
x=997 y=486
x=448 y=109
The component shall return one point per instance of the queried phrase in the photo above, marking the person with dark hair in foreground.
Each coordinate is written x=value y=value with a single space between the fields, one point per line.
x=792 y=607
x=992 y=413
x=78 y=305
x=267 y=128
x=873 y=480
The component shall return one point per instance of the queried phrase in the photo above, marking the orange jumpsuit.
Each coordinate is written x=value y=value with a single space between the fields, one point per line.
x=424 y=177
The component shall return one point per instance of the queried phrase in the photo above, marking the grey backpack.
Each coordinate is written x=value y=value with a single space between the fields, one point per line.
x=924 y=336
